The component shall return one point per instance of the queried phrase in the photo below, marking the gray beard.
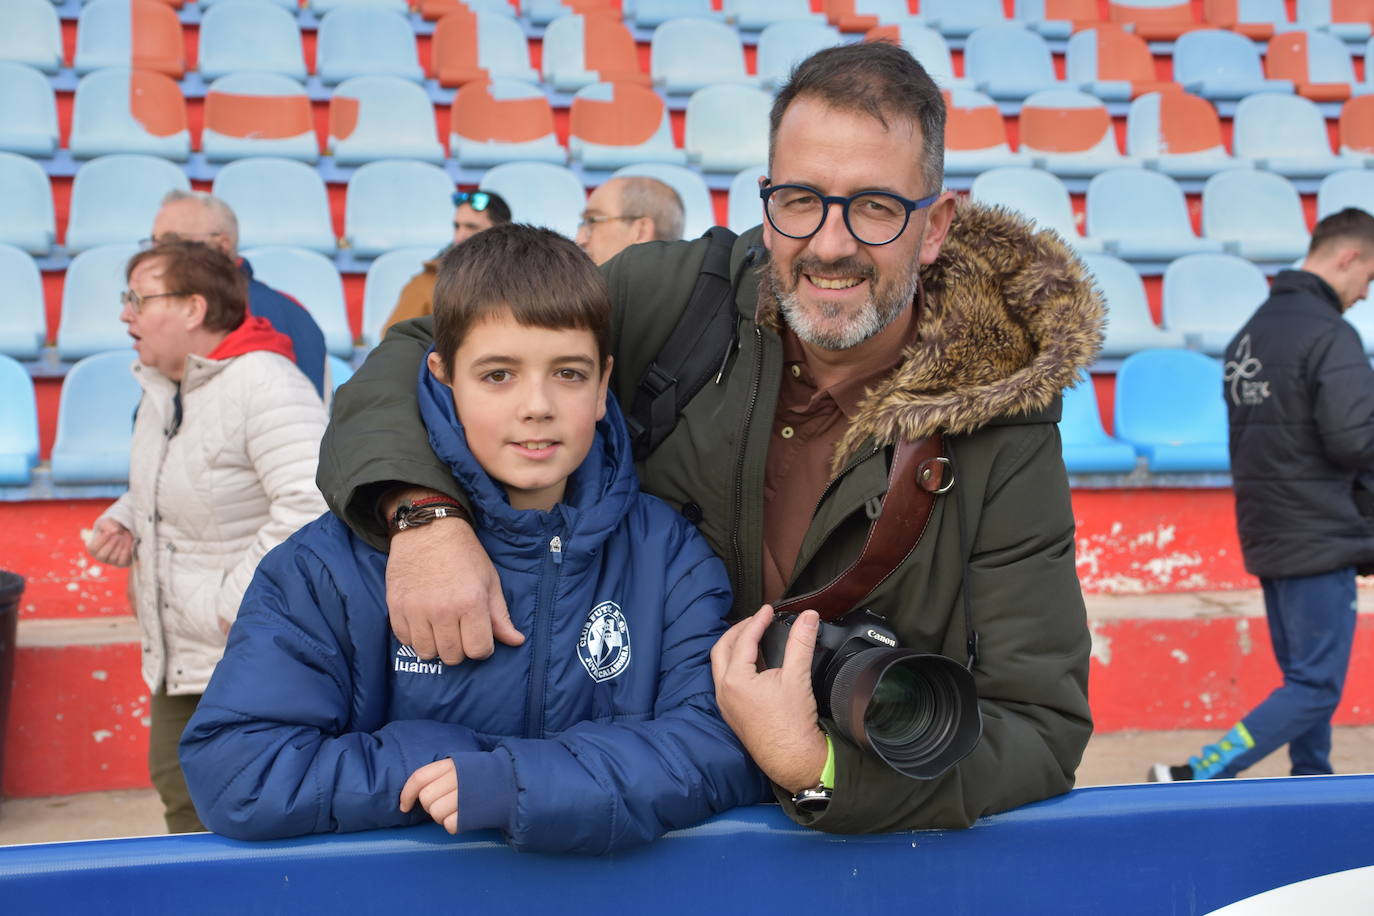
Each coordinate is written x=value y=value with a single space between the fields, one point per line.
x=877 y=312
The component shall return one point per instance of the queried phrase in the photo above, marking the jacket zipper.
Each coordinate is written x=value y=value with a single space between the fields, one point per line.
x=739 y=463
x=543 y=617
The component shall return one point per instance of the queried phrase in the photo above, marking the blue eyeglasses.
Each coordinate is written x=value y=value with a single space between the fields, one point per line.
x=477 y=200
x=872 y=217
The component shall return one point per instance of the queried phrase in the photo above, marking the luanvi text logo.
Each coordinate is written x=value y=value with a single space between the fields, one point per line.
x=406 y=661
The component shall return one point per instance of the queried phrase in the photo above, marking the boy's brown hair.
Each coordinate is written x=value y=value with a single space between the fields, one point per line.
x=540 y=278
x=194 y=268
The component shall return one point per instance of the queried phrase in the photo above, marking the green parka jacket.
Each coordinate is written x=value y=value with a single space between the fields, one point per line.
x=1009 y=318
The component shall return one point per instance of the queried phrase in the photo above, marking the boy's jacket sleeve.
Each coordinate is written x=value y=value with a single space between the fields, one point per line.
x=266 y=754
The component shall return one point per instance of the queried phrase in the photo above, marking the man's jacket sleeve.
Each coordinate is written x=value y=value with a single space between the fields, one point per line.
x=376 y=439
x=271 y=752
x=1032 y=674
x=1343 y=398
x=598 y=787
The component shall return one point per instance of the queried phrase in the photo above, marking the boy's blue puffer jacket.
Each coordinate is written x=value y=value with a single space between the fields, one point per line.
x=601 y=731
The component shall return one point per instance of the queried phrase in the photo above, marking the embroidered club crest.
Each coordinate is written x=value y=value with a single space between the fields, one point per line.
x=604 y=646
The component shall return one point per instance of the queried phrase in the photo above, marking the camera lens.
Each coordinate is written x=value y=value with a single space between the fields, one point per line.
x=917 y=712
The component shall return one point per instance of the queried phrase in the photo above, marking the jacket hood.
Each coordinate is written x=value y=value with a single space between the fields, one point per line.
x=598 y=492
x=254 y=334
x=1008 y=318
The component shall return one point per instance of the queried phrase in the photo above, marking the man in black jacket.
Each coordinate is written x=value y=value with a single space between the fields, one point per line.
x=1300 y=396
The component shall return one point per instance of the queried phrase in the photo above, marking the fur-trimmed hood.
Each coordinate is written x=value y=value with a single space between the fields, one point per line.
x=1010 y=316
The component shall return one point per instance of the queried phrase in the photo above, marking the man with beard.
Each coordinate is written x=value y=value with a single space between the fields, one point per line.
x=871 y=309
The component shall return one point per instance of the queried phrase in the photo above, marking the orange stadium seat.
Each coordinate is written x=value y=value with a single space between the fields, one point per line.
x=975 y=134
x=1058 y=18
x=469 y=46
x=497 y=121
x=1178 y=134
x=863 y=15
x=1068 y=133
x=143 y=34
x=258 y=114
x=129 y=111
x=1317 y=63
x=1154 y=20
x=585 y=49
x=1357 y=125
x=1112 y=64
x=1257 y=19
x=612 y=125
x=1349 y=20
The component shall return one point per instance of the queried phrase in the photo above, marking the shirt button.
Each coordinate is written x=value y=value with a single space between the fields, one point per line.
x=796 y=370
x=787 y=432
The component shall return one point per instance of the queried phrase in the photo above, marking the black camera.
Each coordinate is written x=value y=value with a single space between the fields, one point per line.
x=916 y=712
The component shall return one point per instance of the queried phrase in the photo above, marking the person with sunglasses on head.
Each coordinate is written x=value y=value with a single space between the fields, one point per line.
x=473 y=212
x=221 y=470
x=867 y=311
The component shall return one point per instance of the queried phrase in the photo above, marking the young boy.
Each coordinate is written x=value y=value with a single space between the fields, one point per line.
x=599 y=731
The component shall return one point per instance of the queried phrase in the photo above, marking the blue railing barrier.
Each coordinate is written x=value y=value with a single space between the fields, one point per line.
x=1185 y=848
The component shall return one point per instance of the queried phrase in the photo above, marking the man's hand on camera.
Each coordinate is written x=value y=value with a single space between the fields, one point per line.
x=443 y=594
x=774 y=711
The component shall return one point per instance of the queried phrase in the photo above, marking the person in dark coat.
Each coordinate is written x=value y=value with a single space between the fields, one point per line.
x=1300 y=398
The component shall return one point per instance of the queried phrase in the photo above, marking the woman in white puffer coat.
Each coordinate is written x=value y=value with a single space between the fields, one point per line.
x=222 y=470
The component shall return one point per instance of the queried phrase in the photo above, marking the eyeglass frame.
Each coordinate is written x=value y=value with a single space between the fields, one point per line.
x=591 y=222
x=477 y=200
x=134 y=300
x=168 y=238
x=767 y=189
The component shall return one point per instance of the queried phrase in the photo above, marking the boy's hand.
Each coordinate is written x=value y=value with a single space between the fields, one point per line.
x=111 y=543
x=435 y=785
x=443 y=594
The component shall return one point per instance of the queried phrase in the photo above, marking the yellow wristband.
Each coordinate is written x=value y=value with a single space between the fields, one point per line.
x=828 y=774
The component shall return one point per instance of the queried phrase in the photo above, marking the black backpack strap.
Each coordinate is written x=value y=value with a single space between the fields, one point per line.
x=696 y=348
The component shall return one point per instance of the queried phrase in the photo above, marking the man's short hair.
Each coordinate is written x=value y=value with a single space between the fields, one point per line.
x=877 y=78
x=224 y=219
x=497 y=210
x=659 y=201
x=541 y=278
x=194 y=268
x=1349 y=225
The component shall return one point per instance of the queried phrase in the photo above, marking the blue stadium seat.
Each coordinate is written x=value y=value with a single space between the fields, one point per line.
x=1316 y=14
x=250 y=35
x=727 y=127
x=688 y=54
x=1271 y=13
x=650 y=14
x=930 y=48
x=29 y=221
x=119 y=110
x=1141 y=215
x=18 y=424
x=277 y=202
x=1221 y=65
x=1178 y=134
x=539 y=193
x=339 y=371
x=358 y=40
x=95 y=420
x=539 y=12
x=960 y=18
x=1169 y=407
x=505 y=120
x=382 y=117
x=1088 y=449
x=289 y=5
x=323 y=7
x=581 y=50
x=783 y=45
x=1008 y=61
x=398 y=204
x=758 y=15
x=1069 y=133
x=482 y=45
x=1286 y=134
x=258 y=114
x=615 y=124
x=32 y=35
x=1257 y=215
x=114 y=199
x=23 y=319
x=699 y=212
x=746 y=209
x=1346 y=188
x=1208 y=297
x=28 y=111
x=89 y=322
x=386 y=277
x=1035 y=194
x=105 y=37
x=1130 y=326
x=312 y=280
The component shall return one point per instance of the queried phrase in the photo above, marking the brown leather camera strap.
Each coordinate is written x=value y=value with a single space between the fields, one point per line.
x=919 y=473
